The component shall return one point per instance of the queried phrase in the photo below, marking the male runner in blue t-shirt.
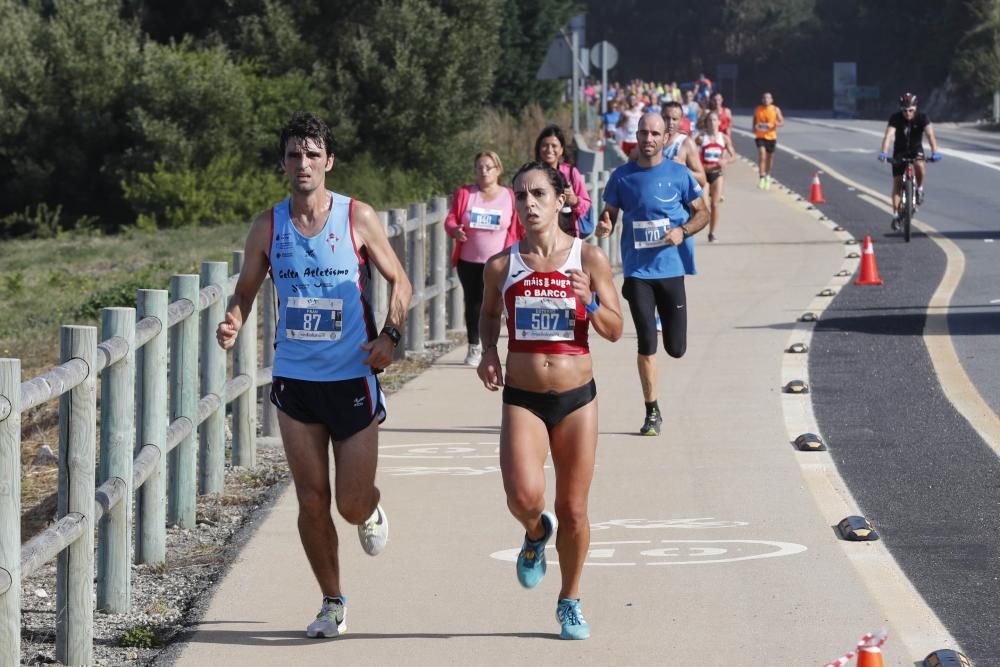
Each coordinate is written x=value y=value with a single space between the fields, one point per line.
x=663 y=206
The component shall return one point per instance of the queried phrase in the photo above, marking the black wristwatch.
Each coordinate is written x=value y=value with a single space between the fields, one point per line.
x=393 y=334
x=684 y=230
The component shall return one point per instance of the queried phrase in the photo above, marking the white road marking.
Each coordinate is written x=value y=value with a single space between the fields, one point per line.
x=677 y=552
x=974 y=158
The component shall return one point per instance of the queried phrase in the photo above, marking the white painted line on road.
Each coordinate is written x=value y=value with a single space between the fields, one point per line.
x=994 y=300
x=982 y=160
x=627 y=553
x=987 y=240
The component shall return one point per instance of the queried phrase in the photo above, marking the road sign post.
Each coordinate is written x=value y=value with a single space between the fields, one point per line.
x=604 y=55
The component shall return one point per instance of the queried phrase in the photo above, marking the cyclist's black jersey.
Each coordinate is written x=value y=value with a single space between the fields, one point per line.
x=909 y=133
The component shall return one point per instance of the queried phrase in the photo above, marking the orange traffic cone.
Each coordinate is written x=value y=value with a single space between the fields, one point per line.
x=869 y=270
x=816 y=193
x=870 y=656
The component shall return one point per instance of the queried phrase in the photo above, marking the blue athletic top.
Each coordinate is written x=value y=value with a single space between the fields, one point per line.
x=653 y=200
x=323 y=318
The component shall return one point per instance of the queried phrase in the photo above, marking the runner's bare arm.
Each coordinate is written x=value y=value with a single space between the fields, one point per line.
x=607 y=319
x=607 y=222
x=693 y=162
x=490 y=369
x=729 y=149
x=698 y=220
x=255 y=265
x=371 y=237
x=779 y=119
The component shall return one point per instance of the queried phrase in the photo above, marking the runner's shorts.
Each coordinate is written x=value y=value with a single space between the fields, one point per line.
x=551 y=407
x=345 y=407
x=768 y=144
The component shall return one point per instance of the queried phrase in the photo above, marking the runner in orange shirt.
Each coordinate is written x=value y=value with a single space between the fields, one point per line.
x=767 y=119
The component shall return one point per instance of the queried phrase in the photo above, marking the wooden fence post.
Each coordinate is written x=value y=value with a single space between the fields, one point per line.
x=77 y=454
x=440 y=261
x=379 y=288
x=416 y=269
x=400 y=245
x=114 y=547
x=245 y=405
x=151 y=429
x=268 y=323
x=182 y=465
x=10 y=511
x=212 y=434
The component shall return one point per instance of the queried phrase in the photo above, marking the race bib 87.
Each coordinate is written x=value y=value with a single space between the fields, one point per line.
x=310 y=318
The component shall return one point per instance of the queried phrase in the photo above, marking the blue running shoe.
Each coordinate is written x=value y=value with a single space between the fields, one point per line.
x=570 y=616
x=531 y=560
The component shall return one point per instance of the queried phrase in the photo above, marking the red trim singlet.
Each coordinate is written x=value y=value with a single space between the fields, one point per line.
x=543 y=314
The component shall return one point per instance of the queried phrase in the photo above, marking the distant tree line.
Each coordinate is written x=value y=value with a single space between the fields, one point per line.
x=946 y=51
x=164 y=112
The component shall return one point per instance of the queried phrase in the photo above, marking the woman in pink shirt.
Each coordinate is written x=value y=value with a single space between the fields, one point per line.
x=550 y=148
x=483 y=222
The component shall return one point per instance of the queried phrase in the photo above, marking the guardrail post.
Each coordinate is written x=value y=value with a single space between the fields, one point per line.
x=439 y=270
x=114 y=545
x=182 y=465
x=77 y=454
x=212 y=434
x=245 y=405
x=378 y=288
x=416 y=269
x=268 y=321
x=151 y=429
x=10 y=511
x=400 y=245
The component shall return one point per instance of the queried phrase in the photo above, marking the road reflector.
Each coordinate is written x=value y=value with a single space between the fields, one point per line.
x=808 y=317
x=838 y=228
x=842 y=273
x=810 y=442
x=851 y=242
x=946 y=658
x=798 y=348
x=857 y=529
x=796 y=387
x=826 y=292
x=853 y=255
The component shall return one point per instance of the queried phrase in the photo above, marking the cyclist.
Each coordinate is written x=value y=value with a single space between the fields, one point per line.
x=906 y=130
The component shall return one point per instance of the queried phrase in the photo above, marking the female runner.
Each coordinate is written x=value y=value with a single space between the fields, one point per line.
x=551 y=287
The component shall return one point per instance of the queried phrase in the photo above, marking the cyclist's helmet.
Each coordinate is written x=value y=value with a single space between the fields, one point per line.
x=907 y=100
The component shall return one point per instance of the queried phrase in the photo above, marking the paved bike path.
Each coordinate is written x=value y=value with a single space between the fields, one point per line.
x=708 y=546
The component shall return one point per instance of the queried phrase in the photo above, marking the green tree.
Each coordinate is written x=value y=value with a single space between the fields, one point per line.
x=528 y=28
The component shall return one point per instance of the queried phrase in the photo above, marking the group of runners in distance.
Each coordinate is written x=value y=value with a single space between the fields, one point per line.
x=523 y=266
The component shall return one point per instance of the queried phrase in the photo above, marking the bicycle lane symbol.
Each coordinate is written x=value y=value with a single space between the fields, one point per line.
x=660 y=552
x=455 y=459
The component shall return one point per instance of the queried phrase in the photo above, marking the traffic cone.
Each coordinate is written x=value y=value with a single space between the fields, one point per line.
x=869 y=270
x=816 y=193
x=870 y=656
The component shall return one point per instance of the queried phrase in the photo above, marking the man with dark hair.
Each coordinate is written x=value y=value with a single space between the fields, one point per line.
x=319 y=246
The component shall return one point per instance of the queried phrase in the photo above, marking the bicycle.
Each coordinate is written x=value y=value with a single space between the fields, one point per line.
x=908 y=192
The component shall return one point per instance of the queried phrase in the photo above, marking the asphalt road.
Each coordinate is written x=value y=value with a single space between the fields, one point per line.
x=928 y=481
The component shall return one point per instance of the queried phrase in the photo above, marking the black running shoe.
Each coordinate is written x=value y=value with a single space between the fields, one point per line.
x=652 y=424
x=895 y=223
x=920 y=196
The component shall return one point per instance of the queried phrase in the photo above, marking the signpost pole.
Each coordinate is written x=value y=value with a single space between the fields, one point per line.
x=604 y=79
x=574 y=89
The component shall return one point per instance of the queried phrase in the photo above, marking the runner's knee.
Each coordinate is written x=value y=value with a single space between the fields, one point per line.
x=313 y=503
x=525 y=502
x=572 y=514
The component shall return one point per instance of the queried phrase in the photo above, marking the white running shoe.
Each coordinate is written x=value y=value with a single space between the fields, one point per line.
x=474 y=355
x=331 y=621
x=374 y=532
